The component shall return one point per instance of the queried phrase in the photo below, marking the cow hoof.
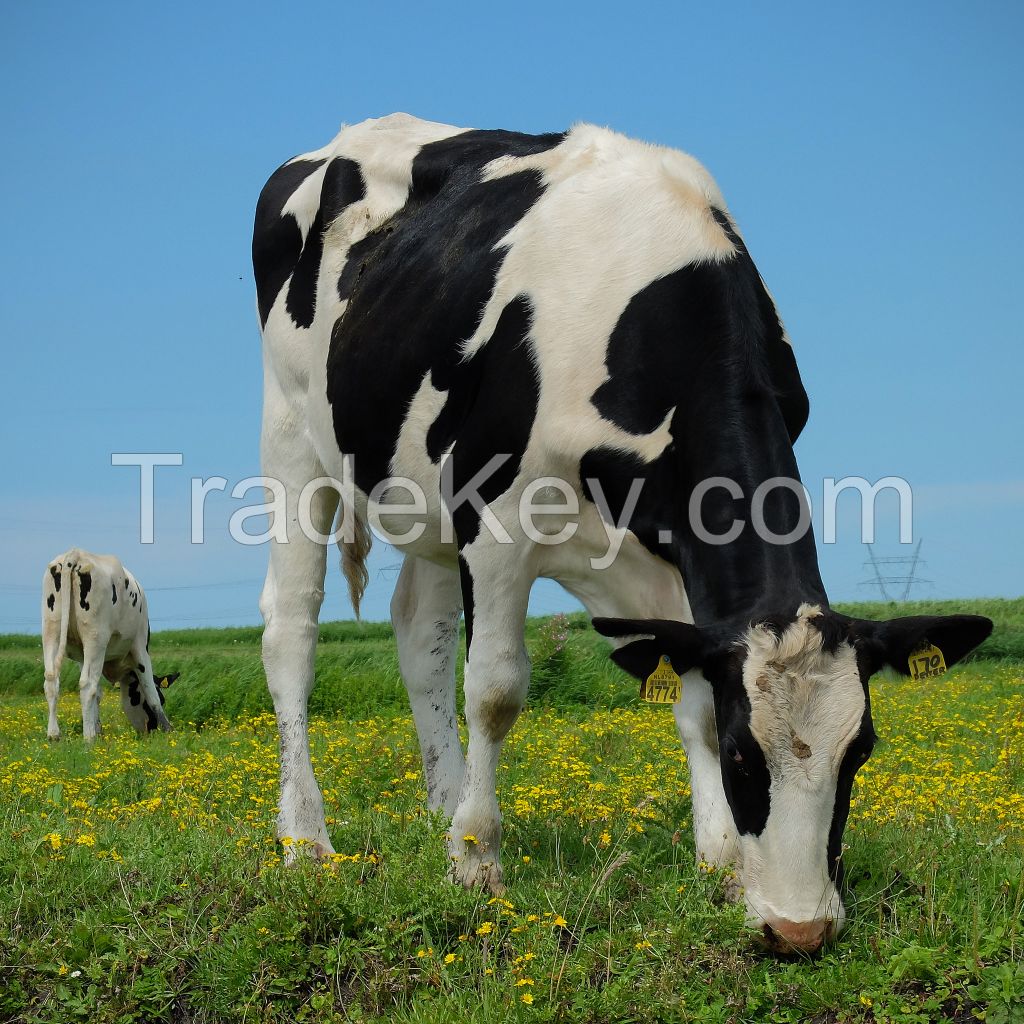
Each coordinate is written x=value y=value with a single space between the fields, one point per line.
x=731 y=889
x=53 y=737
x=477 y=873
x=309 y=849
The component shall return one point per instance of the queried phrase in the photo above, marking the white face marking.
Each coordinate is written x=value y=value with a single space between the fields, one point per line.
x=806 y=708
x=797 y=690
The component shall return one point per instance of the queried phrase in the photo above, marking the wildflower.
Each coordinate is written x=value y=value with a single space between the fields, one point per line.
x=526 y=998
x=287 y=841
x=486 y=928
x=449 y=958
x=53 y=838
x=524 y=981
x=559 y=921
x=470 y=838
x=526 y=859
x=644 y=944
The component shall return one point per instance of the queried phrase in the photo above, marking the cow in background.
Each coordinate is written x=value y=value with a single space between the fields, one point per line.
x=95 y=612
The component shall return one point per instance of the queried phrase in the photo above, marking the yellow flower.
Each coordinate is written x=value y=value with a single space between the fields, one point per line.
x=526 y=860
x=85 y=839
x=644 y=944
x=486 y=928
x=526 y=998
x=524 y=981
x=287 y=841
x=470 y=838
x=559 y=921
x=449 y=958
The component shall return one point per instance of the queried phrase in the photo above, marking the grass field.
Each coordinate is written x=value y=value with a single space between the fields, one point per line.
x=141 y=880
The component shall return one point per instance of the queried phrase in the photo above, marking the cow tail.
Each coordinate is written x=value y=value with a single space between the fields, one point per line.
x=65 y=614
x=355 y=542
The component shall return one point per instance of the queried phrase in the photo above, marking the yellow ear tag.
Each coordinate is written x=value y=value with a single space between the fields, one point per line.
x=927 y=663
x=662 y=686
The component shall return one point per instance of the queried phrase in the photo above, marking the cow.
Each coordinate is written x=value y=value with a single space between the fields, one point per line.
x=459 y=323
x=95 y=612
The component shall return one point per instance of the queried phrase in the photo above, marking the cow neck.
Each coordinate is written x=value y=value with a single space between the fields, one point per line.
x=749 y=577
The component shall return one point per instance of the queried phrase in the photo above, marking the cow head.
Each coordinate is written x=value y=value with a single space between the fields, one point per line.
x=143 y=717
x=792 y=716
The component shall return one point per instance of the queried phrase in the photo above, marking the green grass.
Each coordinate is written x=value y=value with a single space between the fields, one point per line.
x=192 y=920
x=357 y=666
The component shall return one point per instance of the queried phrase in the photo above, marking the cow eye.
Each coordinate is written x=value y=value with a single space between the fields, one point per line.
x=733 y=752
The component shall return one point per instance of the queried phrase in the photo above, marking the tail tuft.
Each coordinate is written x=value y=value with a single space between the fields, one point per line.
x=353 y=558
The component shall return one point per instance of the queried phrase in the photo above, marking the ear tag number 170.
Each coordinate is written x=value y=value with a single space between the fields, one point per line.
x=663 y=685
x=927 y=663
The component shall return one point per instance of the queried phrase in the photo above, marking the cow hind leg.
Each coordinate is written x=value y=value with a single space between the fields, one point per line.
x=51 y=674
x=425 y=611
x=290 y=604
x=89 y=687
x=496 y=683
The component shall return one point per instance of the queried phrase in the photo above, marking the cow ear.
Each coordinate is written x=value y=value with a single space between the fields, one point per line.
x=681 y=641
x=164 y=681
x=893 y=642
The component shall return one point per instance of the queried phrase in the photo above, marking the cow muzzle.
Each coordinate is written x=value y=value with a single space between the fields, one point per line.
x=787 y=937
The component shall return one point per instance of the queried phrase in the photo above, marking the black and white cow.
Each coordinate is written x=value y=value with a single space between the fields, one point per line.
x=95 y=611
x=458 y=323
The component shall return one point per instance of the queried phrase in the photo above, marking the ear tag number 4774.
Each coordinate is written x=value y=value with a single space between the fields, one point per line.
x=927 y=663
x=663 y=685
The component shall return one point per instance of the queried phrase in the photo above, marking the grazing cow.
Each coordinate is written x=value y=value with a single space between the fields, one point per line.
x=457 y=324
x=95 y=611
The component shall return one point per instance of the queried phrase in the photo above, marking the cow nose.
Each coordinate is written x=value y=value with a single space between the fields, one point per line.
x=785 y=936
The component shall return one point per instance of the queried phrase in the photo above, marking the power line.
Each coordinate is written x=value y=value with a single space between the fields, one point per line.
x=885 y=580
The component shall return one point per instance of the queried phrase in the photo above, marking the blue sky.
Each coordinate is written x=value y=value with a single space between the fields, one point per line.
x=872 y=156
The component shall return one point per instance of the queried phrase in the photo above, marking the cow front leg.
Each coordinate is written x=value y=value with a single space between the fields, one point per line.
x=497 y=679
x=290 y=604
x=715 y=836
x=425 y=612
